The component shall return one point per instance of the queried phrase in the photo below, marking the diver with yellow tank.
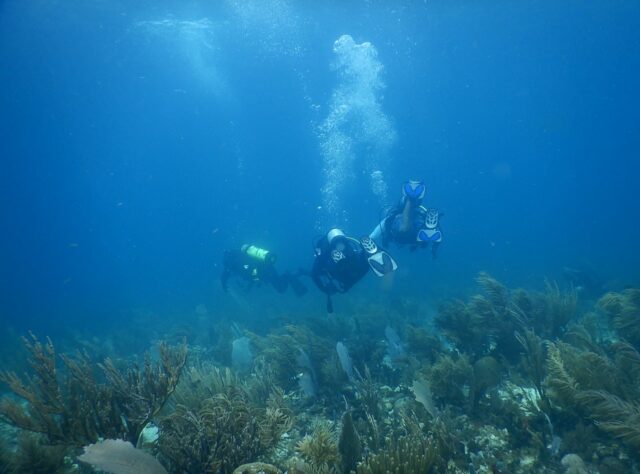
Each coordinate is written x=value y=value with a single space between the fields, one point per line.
x=253 y=265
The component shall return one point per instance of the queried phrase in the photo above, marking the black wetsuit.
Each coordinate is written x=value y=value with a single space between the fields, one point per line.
x=391 y=227
x=393 y=224
x=338 y=277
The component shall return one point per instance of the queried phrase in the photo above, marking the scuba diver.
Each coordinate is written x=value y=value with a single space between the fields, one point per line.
x=254 y=265
x=341 y=261
x=409 y=222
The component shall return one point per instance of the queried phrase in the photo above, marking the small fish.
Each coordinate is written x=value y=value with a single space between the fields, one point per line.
x=74 y=245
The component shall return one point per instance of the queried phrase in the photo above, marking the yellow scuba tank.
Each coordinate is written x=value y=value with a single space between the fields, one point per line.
x=258 y=253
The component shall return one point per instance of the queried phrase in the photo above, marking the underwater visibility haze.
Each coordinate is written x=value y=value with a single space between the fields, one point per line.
x=151 y=151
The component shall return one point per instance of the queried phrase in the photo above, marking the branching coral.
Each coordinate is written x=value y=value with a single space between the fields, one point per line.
x=41 y=391
x=142 y=392
x=230 y=426
x=321 y=447
x=560 y=308
x=34 y=457
x=422 y=343
x=451 y=380
x=563 y=385
x=590 y=371
x=497 y=293
x=614 y=415
x=368 y=394
x=281 y=352
x=628 y=360
x=202 y=381
x=406 y=455
x=624 y=311
x=604 y=389
x=466 y=329
x=74 y=408
x=583 y=336
x=487 y=323
x=533 y=359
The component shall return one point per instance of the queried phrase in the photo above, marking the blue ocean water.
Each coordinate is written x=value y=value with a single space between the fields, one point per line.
x=141 y=140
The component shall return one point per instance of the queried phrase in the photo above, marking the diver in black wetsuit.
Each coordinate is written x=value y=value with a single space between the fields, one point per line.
x=341 y=261
x=410 y=223
x=254 y=265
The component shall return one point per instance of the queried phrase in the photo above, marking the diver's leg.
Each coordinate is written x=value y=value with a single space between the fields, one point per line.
x=296 y=285
x=379 y=230
x=279 y=282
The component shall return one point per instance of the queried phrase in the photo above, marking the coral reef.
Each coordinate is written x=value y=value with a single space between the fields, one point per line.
x=507 y=380
x=451 y=380
x=281 y=352
x=320 y=449
x=74 y=408
x=623 y=309
x=405 y=455
x=489 y=320
x=603 y=386
x=33 y=456
x=224 y=425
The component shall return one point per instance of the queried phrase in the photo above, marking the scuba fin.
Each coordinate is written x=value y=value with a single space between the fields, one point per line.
x=329 y=304
x=369 y=245
x=382 y=264
x=429 y=235
x=296 y=285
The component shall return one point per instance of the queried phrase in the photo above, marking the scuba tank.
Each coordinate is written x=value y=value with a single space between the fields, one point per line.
x=259 y=254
